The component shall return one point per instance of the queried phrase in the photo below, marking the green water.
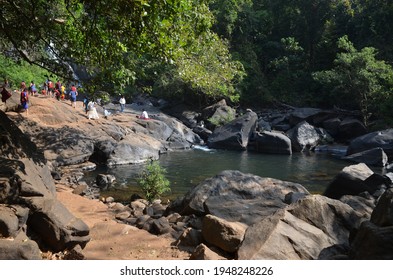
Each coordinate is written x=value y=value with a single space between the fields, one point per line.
x=186 y=169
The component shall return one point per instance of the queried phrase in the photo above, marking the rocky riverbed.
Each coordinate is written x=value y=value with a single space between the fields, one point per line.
x=229 y=216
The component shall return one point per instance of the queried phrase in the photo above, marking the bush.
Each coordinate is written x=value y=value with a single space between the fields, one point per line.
x=153 y=182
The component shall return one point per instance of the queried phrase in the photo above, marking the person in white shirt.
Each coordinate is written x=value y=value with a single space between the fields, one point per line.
x=92 y=113
x=122 y=102
x=106 y=113
x=144 y=115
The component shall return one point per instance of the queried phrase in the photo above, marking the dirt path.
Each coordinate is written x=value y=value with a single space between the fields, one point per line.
x=111 y=240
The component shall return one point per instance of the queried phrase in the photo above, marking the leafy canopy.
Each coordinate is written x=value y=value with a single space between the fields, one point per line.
x=358 y=76
x=107 y=38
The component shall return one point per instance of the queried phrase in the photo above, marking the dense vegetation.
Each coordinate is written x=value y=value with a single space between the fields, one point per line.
x=303 y=52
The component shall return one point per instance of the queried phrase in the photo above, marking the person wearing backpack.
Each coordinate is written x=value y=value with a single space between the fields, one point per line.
x=73 y=95
x=24 y=100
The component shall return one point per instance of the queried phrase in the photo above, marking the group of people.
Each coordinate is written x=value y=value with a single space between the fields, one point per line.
x=59 y=91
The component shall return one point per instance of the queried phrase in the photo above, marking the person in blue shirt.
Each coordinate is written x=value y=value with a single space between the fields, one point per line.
x=73 y=95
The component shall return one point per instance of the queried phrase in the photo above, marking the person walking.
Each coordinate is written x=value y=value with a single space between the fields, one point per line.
x=33 y=88
x=24 y=100
x=122 y=102
x=5 y=94
x=73 y=95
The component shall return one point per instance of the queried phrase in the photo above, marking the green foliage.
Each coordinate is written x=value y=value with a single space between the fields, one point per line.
x=222 y=119
x=358 y=78
x=252 y=51
x=153 y=182
x=16 y=72
x=287 y=76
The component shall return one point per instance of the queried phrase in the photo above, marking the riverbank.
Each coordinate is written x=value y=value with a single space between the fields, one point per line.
x=232 y=215
x=111 y=240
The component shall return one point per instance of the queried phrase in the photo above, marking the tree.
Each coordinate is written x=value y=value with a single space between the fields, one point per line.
x=152 y=181
x=108 y=38
x=358 y=78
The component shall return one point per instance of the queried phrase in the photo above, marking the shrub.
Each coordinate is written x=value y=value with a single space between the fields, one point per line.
x=153 y=182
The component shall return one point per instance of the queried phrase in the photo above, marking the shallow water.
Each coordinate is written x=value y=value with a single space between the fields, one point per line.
x=186 y=169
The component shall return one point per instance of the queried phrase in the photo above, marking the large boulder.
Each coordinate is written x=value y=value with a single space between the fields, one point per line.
x=19 y=248
x=304 y=137
x=299 y=115
x=372 y=157
x=380 y=139
x=332 y=126
x=65 y=146
x=135 y=148
x=223 y=234
x=236 y=134
x=302 y=230
x=350 y=128
x=351 y=181
x=374 y=239
x=238 y=197
x=272 y=142
x=28 y=190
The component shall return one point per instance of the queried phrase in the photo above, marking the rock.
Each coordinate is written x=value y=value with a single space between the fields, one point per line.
x=280 y=123
x=229 y=187
x=202 y=252
x=332 y=126
x=56 y=225
x=293 y=197
x=383 y=213
x=273 y=143
x=351 y=128
x=123 y=215
x=221 y=115
x=9 y=223
x=104 y=180
x=351 y=181
x=300 y=231
x=223 y=234
x=203 y=132
x=20 y=248
x=190 y=238
x=360 y=204
x=158 y=209
x=380 y=139
x=75 y=253
x=304 y=137
x=173 y=217
x=263 y=125
x=139 y=204
x=66 y=146
x=161 y=226
x=210 y=110
x=374 y=239
x=372 y=157
x=142 y=220
x=236 y=134
x=360 y=171
x=103 y=149
x=135 y=149
x=372 y=243
x=302 y=114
